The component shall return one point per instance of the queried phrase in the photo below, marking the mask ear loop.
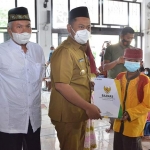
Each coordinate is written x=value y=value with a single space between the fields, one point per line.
x=73 y=31
x=11 y=33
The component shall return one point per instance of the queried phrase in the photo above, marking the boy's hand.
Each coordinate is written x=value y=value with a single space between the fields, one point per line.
x=125 y=116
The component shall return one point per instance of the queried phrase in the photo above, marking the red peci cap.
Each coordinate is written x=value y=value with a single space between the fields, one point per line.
x=133 y=53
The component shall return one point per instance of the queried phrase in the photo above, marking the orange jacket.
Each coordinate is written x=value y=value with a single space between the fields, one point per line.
x=136 y=97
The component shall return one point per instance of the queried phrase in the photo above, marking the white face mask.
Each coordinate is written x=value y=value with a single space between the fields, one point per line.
x=21 y=38
x=82 y=36
x=51 y=51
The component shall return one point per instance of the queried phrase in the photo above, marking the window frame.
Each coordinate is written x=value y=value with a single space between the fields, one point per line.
x=6 y=33
x=35 y=2
x=111 y=24
x=98 y=21
x=128 y=2
x=100 y=11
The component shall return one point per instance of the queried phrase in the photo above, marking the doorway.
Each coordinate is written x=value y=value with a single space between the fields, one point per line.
x=96 y=42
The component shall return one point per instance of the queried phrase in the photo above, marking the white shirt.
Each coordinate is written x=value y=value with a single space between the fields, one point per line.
x=20 y=86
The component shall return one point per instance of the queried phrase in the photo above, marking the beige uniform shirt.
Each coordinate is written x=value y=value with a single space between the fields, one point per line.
x=69 y=65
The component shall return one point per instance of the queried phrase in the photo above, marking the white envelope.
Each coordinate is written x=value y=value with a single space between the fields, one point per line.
x=107 y=95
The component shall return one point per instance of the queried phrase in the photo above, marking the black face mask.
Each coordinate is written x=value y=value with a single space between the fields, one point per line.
x=125 y=42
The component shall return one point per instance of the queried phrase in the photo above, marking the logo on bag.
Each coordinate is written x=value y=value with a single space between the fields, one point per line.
x=107 y=89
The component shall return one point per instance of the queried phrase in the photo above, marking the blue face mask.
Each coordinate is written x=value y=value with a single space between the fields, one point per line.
x=145 y=72
x=132 y=66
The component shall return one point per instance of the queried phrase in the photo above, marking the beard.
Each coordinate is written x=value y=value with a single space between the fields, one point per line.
x=126 y=43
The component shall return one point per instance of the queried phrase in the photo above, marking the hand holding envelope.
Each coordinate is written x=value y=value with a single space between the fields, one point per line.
x=93 y=112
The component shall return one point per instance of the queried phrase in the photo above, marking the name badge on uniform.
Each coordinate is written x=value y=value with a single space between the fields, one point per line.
x=82 y=72
x=81 y=60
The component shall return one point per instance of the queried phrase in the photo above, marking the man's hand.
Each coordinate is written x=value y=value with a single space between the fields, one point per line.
x=93 y=112
x=120 y=60
x=92 y=85
x=47 y=63
x=100 y=69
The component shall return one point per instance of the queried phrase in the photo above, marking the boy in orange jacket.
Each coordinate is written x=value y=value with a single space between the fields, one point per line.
x=135 y=91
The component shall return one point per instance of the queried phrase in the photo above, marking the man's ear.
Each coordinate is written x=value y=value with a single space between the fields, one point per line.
x=9 y=31
x=69 y=28
x=121 y=36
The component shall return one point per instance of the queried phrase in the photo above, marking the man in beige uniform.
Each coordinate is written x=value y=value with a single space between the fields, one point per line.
x=70 y=76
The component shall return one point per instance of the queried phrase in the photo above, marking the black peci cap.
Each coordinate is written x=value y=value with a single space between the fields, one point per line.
x=18 y=13
x=78 y=12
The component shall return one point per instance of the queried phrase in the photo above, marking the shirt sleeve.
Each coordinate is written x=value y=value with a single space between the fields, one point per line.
x=50 y=55
x=49 y=58
x=107 y=55
x=43 y=64
x=0 y=63
x=62 y=66
x=1 y=57
x=143 y=107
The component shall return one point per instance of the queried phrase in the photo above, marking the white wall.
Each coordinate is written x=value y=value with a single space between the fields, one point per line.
x=45 y=38
x=146 y=31
x=44 y=34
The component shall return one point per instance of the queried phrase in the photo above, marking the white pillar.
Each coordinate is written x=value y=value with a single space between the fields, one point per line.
x=44 y=29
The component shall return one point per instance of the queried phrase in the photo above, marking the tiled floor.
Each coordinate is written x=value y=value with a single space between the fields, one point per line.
x=49 y=139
